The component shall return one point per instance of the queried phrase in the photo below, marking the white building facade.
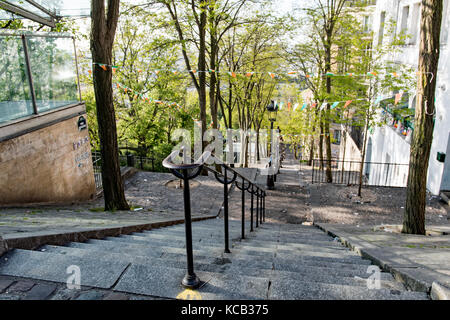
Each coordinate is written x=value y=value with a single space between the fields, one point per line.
x=391 y=143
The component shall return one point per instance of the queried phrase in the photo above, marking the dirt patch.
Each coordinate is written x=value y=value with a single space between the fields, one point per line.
x=178 y=184
x=377 y=206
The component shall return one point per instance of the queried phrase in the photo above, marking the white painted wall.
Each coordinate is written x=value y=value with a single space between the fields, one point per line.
x=390 y=142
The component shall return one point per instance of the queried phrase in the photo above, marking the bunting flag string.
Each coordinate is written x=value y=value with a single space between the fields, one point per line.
x=272 y=75
x=141 y=96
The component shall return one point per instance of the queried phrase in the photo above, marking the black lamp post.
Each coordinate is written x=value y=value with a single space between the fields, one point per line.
x=272 y=108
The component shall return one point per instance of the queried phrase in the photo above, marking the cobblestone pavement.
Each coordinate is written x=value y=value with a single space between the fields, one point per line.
x=146 y=190
x=13 y=288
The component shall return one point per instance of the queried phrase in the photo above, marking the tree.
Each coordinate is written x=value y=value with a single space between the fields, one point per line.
x=431 y=19
x=103 y=29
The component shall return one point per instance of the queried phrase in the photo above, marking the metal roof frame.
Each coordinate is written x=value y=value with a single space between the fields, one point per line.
x=5 y=5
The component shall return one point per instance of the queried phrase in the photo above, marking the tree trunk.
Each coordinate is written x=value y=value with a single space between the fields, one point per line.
x=361 y=168
x=321 y=143
x=102 y=39
x=202 y=65
x=414 y=215
x=326 y=123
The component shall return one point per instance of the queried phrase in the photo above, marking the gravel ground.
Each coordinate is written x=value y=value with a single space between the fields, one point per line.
x=341 y=205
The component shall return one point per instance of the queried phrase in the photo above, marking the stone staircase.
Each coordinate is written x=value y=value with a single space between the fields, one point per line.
x=277 y=261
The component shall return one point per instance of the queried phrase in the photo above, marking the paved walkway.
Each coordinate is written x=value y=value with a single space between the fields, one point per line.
x=145 y=191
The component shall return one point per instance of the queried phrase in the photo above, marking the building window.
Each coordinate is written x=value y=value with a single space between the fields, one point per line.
x=381 y=29
x=337 y=137
x=445 y=23
x=367 y=24
x=405 y=18
x=38 y=73
x=415 y=23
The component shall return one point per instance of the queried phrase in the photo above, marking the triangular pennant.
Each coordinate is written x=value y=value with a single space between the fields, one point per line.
x=324 y=105
x=103 y=67
x=330 y=74
x=296 y=106
x=249 y=74
x=232 y=74
x=377 y=101
x=398 y=97
x=347 y=103
x=272 y=75
x=304 y=106
x=212 y=70
x=313 y=105
x=335 y=105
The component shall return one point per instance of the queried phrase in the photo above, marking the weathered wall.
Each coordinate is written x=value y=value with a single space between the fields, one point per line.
x=52 y=164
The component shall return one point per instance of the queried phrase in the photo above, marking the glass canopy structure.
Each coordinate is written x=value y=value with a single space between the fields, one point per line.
x=43 y=11
x=38 y=74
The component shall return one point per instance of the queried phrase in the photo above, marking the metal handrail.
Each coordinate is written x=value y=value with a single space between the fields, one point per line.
x=188 y=171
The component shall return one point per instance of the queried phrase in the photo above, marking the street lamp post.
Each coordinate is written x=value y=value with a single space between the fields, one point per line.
x=272 y=108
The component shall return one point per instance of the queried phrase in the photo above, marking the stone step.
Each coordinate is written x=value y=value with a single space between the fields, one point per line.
x=236 y=267
x=256 y=242
x=143 y=249
x=295 y=248
x=386 y=281
x=291 y=254
x=212 y=242
x=204 y=264
x=288 y=289
x=319 y=260
x=257 y=234
x=195 y=238
x=54 y=267
x=166 y=282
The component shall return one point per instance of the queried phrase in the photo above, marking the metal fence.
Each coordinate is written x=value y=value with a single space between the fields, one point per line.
x=146 y=164
x=374 y=173
x=97 y=164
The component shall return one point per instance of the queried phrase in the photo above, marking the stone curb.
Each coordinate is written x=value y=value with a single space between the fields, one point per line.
x=33 y=241
x=368 y=251
x=3 y=246
x=439 y=292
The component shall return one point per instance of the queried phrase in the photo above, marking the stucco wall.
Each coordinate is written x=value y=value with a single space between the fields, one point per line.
x=52 y=164
x=394 y=144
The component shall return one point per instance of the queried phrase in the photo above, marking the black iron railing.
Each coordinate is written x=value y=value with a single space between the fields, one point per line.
x=189 y=171
x=374 y=173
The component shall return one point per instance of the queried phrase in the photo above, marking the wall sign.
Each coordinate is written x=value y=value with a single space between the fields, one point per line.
x=82 y=124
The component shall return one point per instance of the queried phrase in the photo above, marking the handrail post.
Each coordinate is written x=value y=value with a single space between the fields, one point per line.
x=257 y=206
x=261 y=207
x=190 y=280
x=225 y=209
x=264 y=207
x=243 y=210
x=251 y=210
